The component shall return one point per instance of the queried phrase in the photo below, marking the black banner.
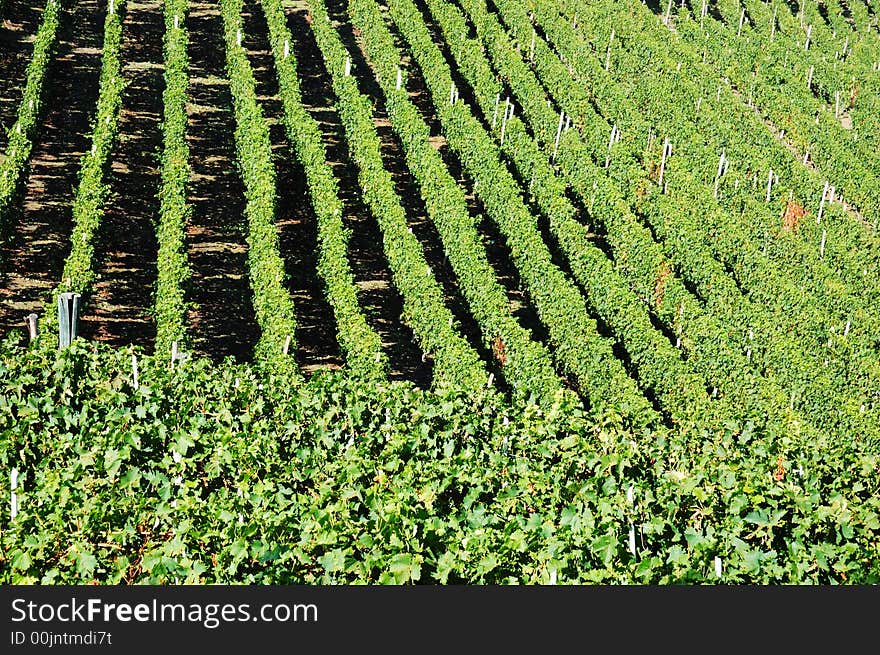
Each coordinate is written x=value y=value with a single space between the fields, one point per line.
x=402 y=619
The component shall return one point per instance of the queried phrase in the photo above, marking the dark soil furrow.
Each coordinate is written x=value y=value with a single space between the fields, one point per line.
x=118 y=310
x=380 y=299
x=407 y=187
x=317 y=346
x=19 y=26
x=222 y=322
x=34 y=254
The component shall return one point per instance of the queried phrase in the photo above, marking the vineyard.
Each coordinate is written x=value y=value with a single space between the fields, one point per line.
x=440 y=291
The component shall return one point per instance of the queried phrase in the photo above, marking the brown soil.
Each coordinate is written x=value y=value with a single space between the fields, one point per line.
x=316 y=342
x=33 y=256
x=222 y=321
x=118 y=311
x=381 y=301
x=17 y=31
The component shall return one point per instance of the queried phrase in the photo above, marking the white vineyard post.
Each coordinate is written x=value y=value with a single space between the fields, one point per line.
x=112 y=7
x=810 y=78
x=769 y=183
x=238 y=37
x=286 y=48
x=532 y=49
x=451 y=92
x=347 y=66
x=822 y=246
x=668 y=10
x=13 y=497
x=807 y=42
x=558 y=134
x=134 y=372
x=742 y=17
x=490 y=380
x=773 y=28
x=508 y=115
x=173 y=353
x=806 y=157
x=837 y=104
x=176 y=21
x=822 y=204
x=608 y=52
x=399 y=78
x=846 y=328
x=286 y=348
x=667 y=151
x=504 y=120
x=718 y=174
x=611 y=141
x=31 y=322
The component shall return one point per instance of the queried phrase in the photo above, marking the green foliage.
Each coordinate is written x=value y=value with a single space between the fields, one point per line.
x=173 y=272
x=456 y=363
x=361 y=345
x=21 y=134
x=210 y=474
x=272 y=301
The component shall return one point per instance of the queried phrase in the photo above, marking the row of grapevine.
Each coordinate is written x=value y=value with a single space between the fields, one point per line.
x=659 y=365
x=781 y=356
x=92 y=190
x=755 y=398
x=582 y=352
x=780 y=87
x=824 y=306
x=526 y=364
x=272 y=302
x=173 y=271
x=812 y=252
x=455 y=361
x=361 y=346
x=18 y=149
x=765 y=281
